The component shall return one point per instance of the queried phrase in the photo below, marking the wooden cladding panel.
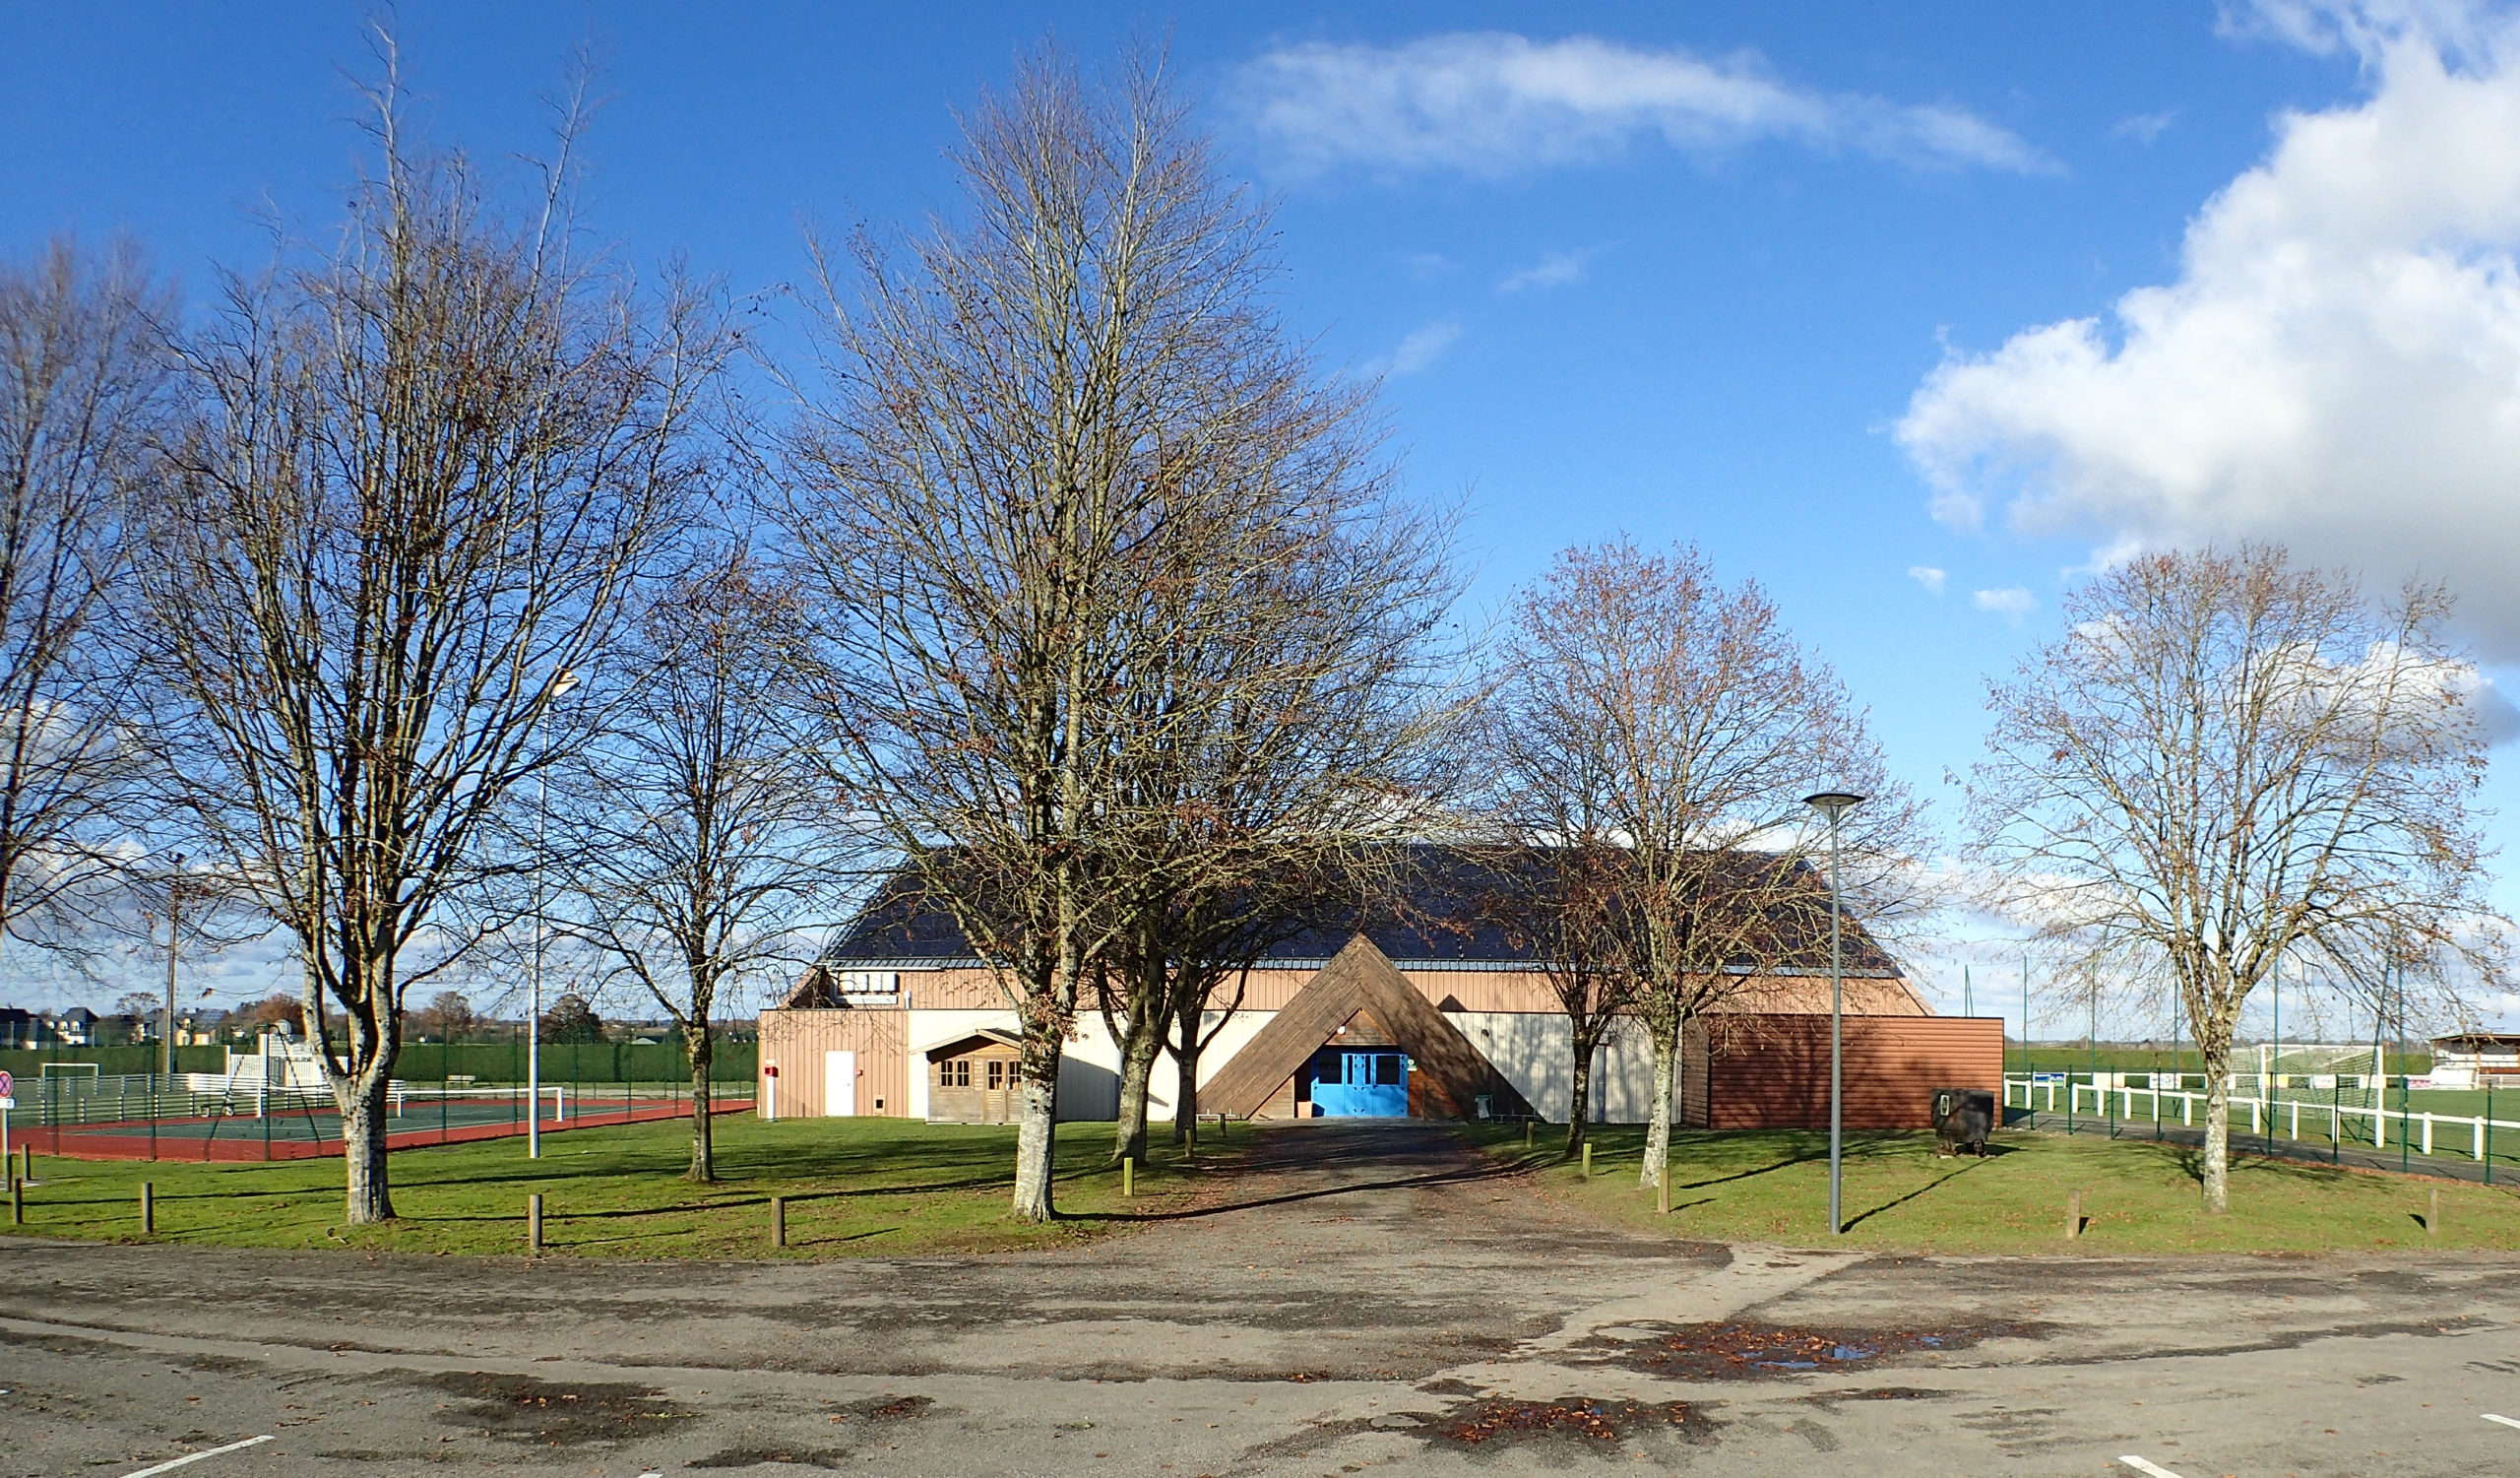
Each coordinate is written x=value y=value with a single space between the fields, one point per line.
x=1360 y=979
x=795 y=1041
x=1289 y=1040
x=1765 y=1072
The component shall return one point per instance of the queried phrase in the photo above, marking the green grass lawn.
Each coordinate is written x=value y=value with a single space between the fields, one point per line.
x=2138 y=1196
x=856 y=1186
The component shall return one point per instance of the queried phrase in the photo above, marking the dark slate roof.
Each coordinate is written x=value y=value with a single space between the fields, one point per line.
x=1442 y=919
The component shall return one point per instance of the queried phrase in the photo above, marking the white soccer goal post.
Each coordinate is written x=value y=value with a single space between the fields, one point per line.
x=2343 y=1073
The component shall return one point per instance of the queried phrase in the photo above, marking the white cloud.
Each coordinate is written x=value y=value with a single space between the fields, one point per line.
x=1927 y=576
x=2144 y=128
x=2012 y=602
x=2337 y=365
x=1558 y=269
x=1422 y=347
x=1492 y=102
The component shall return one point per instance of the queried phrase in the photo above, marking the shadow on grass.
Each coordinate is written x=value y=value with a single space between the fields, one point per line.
x=1463 y=1177
x=1936 y=1184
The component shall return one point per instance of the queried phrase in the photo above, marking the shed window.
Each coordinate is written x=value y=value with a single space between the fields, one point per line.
x=955 y=1072
x=996 y=1075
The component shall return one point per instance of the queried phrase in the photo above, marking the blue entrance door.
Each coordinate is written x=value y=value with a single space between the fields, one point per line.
x=1361 y=1085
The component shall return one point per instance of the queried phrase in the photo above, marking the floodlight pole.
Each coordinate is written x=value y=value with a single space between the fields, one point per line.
x=567 y=679
x=174 y=937
x=1834 y=804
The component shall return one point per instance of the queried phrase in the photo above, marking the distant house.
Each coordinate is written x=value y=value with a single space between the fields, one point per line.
x=1418 y=1007
x=20 y=1027
x=76 y=1027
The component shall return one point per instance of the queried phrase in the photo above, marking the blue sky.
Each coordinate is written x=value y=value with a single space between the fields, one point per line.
x=1782 y=278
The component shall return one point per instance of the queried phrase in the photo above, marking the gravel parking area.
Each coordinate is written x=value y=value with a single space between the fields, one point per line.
x=1371 y=1296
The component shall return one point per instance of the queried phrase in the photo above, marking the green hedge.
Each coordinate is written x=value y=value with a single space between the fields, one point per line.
x=431 y=1061
x=573 y=1062
x=26 y=1062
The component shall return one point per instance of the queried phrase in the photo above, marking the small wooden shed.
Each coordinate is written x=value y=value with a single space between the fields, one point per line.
x=972 y=1079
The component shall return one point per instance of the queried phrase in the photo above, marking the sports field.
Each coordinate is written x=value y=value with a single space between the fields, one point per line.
x=307 y=1127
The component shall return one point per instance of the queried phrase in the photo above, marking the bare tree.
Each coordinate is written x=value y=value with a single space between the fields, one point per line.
x=427 y=471
x=1036 y=418
x=1653 y=731
x=1557 y=892
x=1277 y=740
x=449 y=1015
x=2228 y=759
x=694 y=834
x=82 y=400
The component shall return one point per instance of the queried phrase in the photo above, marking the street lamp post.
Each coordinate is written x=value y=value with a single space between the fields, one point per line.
x=174 y=937
x=1833 y=804
x=567 y=679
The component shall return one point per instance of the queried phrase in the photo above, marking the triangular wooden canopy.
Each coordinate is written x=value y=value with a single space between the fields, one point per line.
x=1361 y=978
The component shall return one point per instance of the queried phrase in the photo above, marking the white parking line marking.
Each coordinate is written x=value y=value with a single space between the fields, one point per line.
x=2504 y=1420
x=198 y=1456
x=2148 y=1469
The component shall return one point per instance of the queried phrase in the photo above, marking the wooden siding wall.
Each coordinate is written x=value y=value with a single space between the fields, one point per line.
x=1469 y=989
x=795 y=1041
x=1772 y=1073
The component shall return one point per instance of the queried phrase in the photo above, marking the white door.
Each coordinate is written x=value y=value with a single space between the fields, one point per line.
x=840 y=1084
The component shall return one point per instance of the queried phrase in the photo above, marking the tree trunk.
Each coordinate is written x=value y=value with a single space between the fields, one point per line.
x=1657 y=1133
x=1138 y=1052
x=1579 y=1102
x=1035 y=1135
x=1185 y=1056
x=2218 y=1128
x=703 y=1046
x=368 y=1198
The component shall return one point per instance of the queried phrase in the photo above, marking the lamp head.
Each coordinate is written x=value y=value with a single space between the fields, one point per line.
x=567 y=679
x=1833 y=804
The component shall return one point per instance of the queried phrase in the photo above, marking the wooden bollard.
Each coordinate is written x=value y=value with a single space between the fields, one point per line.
x=147 y=1209
x=1588 y=1159
x=1128 y=1175
x=28 y=1151
x=17 y=1202
x=778 y=1221
x=1662 y=1192
x=2073 y=1216
x=533 y=1221
x=2433 y=1214
x=1526 y=1133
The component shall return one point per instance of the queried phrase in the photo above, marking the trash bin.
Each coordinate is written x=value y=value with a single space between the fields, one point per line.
x=1963 y=1118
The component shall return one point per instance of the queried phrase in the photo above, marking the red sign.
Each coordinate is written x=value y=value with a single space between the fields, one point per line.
x=6 y=1083
x=768 y=1069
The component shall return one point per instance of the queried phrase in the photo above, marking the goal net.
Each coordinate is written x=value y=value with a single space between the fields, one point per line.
x=2337 y=1072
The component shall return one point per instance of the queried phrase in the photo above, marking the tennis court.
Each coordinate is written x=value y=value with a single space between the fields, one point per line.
x=292 y=1125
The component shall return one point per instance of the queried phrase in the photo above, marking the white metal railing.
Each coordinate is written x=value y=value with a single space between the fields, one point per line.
x=2418 y=1125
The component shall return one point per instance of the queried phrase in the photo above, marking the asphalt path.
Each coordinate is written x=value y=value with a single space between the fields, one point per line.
x=1366 y=1298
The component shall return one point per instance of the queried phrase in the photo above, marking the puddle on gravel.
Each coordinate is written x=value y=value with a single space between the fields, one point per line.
x=747 y=1458
x=884 y=1408
x=1877 y=1394
x=522 y=1408
x=1741 y=1352
x=1575 y=1418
